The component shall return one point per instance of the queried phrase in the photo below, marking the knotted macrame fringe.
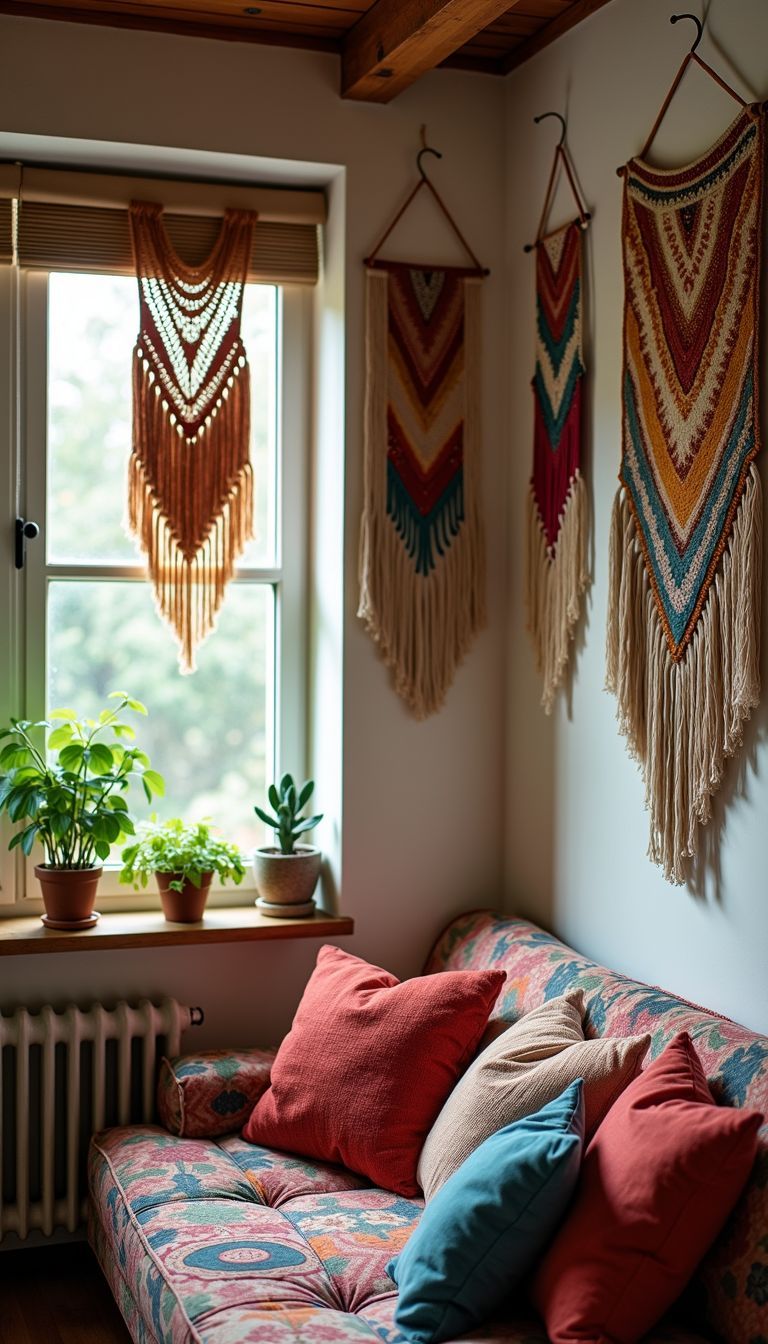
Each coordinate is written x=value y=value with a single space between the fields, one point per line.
x=190 y=504
x=682 y=720
x=556 y=578
x=422 y=625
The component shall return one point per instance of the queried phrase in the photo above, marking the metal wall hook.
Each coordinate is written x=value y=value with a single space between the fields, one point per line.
x=420 y=156
x=560 y=118
x=675 y=18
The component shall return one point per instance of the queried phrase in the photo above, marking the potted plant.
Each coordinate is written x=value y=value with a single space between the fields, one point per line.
x=287 y=873
x=183 y=859
x=70 y=796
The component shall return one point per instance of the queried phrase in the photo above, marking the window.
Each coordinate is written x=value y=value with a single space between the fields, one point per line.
x=82 y=618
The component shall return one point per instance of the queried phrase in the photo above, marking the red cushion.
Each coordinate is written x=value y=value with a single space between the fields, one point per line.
x=658 y=1180
x=368 y=1063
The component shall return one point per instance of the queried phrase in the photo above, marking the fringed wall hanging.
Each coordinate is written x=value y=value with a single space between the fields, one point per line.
x=557 y=519
x=685 y=549
x=422 y=560
x=190 y=482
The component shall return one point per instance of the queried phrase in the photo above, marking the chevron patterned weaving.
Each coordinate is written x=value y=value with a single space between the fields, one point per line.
x=684 y=603
x=190 y=500
x=557 y=499
x=421 y=562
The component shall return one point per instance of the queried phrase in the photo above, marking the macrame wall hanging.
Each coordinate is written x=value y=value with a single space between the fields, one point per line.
x=685 y=549
x=557 y=518
x=190 y=500
x=422 y=560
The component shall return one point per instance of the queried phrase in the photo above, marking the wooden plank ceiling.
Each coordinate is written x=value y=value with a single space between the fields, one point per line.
x=384 y=44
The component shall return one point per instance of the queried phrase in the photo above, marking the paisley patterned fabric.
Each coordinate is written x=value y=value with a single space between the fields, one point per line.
x=222 y=1242
x=212 y=1093
x=225 y=1243
x=731 y=1289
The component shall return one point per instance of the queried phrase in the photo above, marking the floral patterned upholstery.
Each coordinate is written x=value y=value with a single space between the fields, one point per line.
x=212 y=1093
x=731 y=1289
x=218 y=1241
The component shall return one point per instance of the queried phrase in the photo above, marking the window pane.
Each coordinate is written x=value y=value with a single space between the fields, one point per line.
x=93 y=321
x=210 y=734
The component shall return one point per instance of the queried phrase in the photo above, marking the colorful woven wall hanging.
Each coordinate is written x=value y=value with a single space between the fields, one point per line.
x=422 y=552
x=557 y=520
x=422 y=568
x=190 y=484
x=558 y=510
x=685 y=549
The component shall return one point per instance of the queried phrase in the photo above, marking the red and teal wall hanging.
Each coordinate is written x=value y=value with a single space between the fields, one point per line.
x=422 y=560
x=557 y=520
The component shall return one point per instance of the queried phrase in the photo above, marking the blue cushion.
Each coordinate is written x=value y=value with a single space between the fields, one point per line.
x=488 y=1223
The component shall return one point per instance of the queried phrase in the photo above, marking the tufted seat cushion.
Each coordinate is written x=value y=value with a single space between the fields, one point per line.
x=223 y=1242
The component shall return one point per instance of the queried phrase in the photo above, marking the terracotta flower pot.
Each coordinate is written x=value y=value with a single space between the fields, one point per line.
x=69 y=894
x=185 y=906
x=286 y=882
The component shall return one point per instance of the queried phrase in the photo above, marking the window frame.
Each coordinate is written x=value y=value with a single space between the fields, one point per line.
x=23 y=325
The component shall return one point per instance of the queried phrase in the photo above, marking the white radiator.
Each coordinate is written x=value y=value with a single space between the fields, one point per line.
x=63 y=1076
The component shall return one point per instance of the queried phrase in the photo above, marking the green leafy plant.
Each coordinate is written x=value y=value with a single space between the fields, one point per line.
x=70 y=794
x=187 y=851
x=287 y=802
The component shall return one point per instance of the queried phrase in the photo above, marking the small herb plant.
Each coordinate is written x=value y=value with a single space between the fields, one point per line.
x=187 y=851
x=70 y=793
x=287 y=802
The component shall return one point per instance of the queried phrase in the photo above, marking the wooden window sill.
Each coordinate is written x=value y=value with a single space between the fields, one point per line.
x=148 y=928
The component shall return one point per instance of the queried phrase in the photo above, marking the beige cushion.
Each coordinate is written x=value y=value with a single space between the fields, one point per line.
x=521 y=1070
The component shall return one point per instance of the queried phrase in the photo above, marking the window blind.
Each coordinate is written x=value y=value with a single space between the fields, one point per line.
x=6 y=217
x=79 y=221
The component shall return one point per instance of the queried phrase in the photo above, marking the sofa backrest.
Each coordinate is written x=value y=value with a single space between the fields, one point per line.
x=732 y=1284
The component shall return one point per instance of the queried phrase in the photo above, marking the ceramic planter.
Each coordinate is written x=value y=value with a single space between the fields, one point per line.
x=185 y=906
x=286 y=882
x=69 y=895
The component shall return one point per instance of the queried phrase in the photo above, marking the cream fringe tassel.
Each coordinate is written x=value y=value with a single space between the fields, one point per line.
x=682 y=720
x=555 y=582
x=423 y=625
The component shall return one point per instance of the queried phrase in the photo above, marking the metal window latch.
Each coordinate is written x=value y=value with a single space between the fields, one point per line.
x=25 y=531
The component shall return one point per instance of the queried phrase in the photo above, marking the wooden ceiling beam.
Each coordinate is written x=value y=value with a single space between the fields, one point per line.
x=227 y=32
x=396 y=41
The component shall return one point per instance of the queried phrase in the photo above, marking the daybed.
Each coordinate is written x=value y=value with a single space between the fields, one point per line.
x=222 y=1242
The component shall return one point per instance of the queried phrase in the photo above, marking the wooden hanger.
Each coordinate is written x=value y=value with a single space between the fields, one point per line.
x=425 y=182
x=560 y=156
x=688 y=58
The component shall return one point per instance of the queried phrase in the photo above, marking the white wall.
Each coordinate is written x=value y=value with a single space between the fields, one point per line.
x=422 y=803
x=426 y=827
x=576 y=829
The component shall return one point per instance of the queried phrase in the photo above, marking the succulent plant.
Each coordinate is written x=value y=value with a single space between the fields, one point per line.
x=287 y=802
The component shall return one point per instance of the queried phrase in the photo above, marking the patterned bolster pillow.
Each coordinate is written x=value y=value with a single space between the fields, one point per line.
x=203 y=1096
